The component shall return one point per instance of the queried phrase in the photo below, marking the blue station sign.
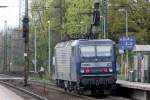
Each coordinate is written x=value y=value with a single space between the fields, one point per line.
x=127 y=43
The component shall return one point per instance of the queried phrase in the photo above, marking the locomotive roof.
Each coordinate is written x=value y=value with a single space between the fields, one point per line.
x=75 y=42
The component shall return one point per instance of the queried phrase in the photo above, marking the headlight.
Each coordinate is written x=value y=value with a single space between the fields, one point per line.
x=82 y=71
x=110 y=70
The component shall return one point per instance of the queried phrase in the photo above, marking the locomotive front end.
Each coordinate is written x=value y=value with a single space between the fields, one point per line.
x=98 y=66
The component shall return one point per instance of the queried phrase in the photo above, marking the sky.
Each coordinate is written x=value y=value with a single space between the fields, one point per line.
x=10 y=14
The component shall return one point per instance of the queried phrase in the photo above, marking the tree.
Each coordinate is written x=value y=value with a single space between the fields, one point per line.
x=138 y=17
x=42 y=11
x=139 y=12
x=77 y=17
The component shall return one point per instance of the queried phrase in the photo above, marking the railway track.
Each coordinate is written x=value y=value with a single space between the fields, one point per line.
x=53 y=86
x=24 y=92
x=96 y=97
x=49 y=91
x=46 y=87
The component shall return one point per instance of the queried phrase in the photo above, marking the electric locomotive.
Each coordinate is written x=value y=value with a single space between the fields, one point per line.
x=84 y=65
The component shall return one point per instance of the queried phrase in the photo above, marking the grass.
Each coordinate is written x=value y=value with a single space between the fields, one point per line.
x=40 y=77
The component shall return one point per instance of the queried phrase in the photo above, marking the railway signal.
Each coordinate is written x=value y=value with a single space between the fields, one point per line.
x=96 y=14
x=26 y=47
x=25 y=29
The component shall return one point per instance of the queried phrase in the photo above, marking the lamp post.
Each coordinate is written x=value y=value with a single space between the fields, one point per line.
x=35 y=44
x=5 y=48
x=49 y=49
x=127 y=60
x=5 y=44
x=104 y=27
x=35 y=60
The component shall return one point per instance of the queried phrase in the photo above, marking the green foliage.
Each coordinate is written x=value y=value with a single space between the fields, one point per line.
x=42 y=12
x=116 y=18
x=138 y=19
x=139 y=13
x=77 y=17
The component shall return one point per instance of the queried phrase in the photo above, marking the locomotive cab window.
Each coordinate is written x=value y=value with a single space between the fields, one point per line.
x=87 y=51
x=104 y=50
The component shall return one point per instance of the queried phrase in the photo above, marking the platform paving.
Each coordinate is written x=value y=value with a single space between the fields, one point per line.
x=6 y=94
x=134 y=85
x=136 y=90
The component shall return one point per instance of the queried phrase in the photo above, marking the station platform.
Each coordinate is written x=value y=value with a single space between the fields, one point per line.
x=6 y=94
x=135 y=90
x=134 y=85
x=8 y=77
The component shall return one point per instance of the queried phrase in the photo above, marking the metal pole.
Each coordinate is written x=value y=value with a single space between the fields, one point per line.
x=126 y=22
x=104 y=26
x=35 y=67
x=121 y=65
x=61 y=16
x=26 y=50
x=10 y=53
x=5 y=47
x=49 y=47
x=20 y=4
x=26 y=8
x=86 y=28
x=127 y=60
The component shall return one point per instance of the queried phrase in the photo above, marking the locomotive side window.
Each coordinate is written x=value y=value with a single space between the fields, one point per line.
x=87 y=51
x=103 y=50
